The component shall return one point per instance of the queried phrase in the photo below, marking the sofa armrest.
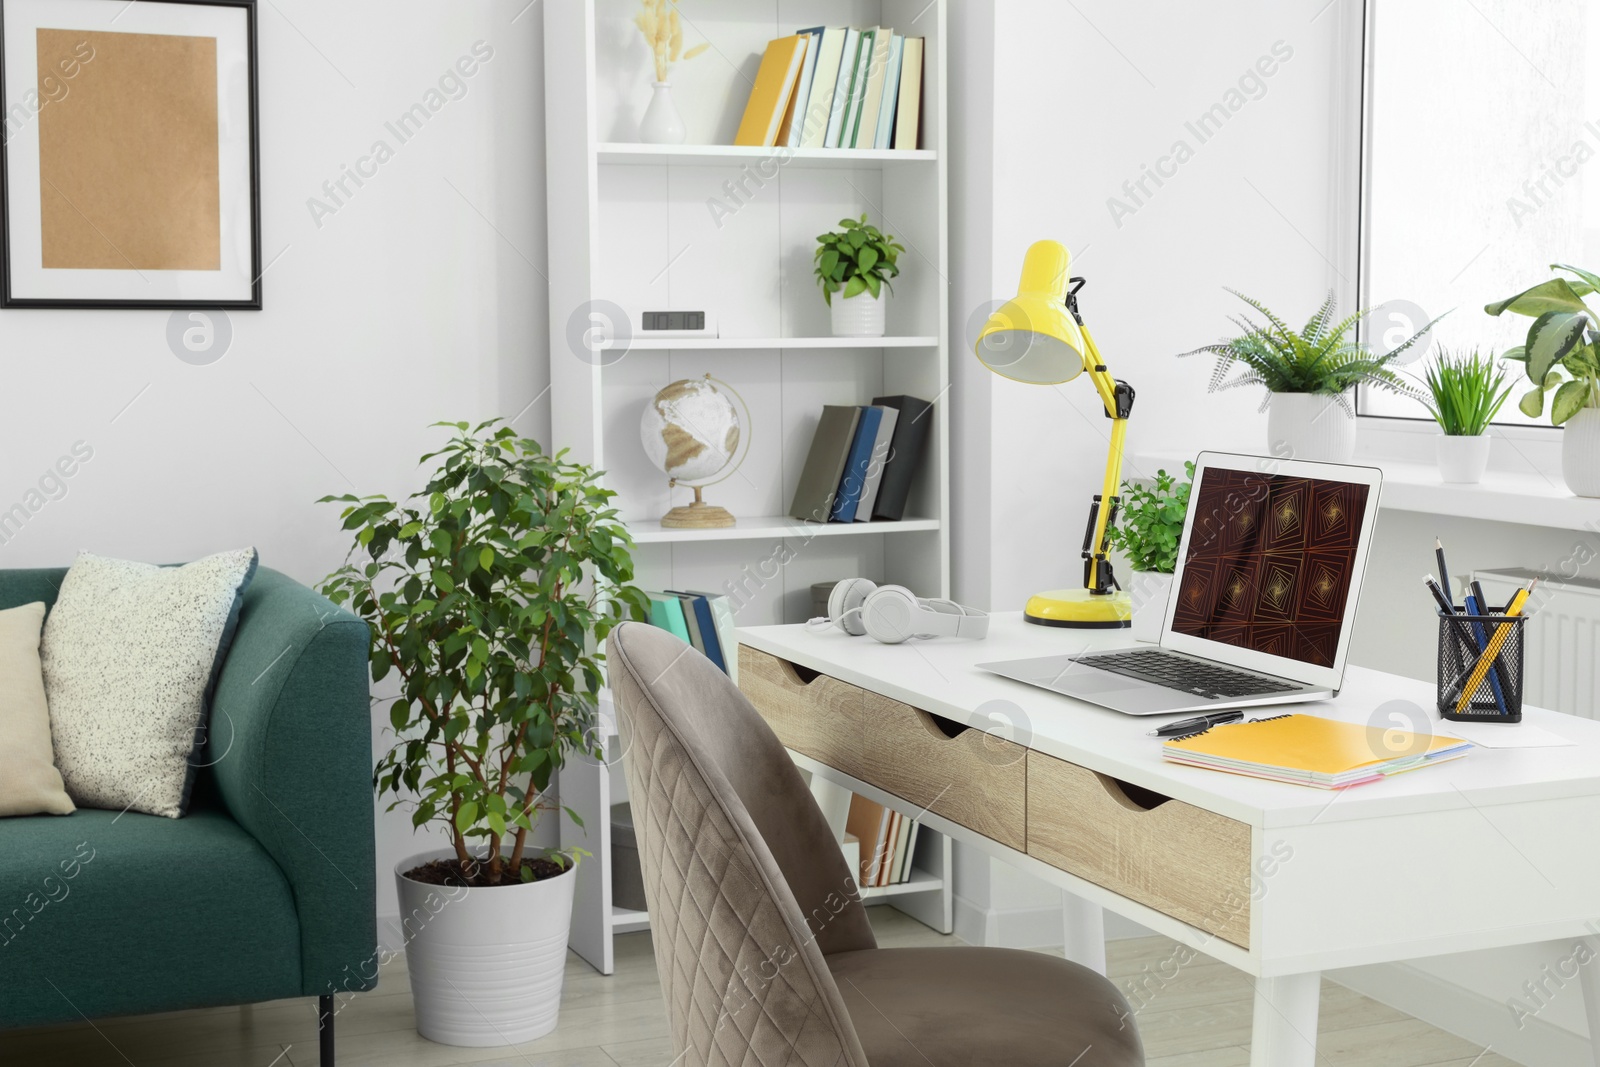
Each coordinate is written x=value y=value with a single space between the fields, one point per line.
x=290 y=746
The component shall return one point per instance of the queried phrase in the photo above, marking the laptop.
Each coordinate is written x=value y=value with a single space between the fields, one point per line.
x=1262 y=603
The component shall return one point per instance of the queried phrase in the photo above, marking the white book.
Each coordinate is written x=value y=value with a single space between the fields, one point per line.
x=891 y=93
x=880 y=459
x=841 y=86
x=866 y=125
x=824 y=79
x=858 y=90
x=902 y=852
x=911 y=853
x=802 y=88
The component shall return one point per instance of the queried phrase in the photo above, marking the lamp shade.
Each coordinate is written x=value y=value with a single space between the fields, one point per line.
x=1033 y=338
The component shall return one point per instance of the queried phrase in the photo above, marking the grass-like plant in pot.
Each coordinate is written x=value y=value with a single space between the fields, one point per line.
x=856 y=263
x=1148 y=528
x=1465 y=392
x=1562 y=355
x=487 y=594
x=1308 y=375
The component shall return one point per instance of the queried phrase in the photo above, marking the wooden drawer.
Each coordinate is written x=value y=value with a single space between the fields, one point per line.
x=971 y=778
x=1189 y=863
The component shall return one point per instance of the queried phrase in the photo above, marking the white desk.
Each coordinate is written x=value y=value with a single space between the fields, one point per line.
x=1281 y=881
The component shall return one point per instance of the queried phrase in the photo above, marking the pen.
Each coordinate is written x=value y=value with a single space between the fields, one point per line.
x=1447 y=608
x=1444 y=572
x=1199 y=722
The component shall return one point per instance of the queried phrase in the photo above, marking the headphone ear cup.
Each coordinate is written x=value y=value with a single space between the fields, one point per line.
x=845 y=602
x=891 y=614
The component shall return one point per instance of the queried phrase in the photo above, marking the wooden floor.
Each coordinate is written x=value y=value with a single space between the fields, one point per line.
x=1201 y=1018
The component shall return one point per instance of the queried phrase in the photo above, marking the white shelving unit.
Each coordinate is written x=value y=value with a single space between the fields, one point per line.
x=731 y=230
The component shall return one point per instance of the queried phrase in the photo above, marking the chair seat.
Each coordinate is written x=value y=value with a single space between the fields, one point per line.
x=971 y=1007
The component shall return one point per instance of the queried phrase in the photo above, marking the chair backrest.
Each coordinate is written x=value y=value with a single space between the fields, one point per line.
x=748 y=890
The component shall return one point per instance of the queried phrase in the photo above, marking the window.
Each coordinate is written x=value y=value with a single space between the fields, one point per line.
x=1482 y=168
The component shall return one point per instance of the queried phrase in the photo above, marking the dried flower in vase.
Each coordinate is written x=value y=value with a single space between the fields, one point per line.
x=662 y=27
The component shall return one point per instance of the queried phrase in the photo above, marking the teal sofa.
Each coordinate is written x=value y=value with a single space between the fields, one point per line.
x=264 y=890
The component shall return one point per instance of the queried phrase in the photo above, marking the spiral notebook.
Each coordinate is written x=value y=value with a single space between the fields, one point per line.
x=1307 y=750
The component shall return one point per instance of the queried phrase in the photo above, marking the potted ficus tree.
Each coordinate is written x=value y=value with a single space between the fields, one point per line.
x=855 y=263
x=1308 y=375
x=487 y=594
x=1148 y=529
x=1562 y=353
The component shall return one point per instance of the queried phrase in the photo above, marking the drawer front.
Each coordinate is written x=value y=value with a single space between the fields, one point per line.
x=972 y=778
x=1184 y=861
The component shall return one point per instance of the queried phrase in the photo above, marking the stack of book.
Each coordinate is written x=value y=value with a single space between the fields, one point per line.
x=888 y=843
x=862 y=461
x=837 y=87
x=704 y=620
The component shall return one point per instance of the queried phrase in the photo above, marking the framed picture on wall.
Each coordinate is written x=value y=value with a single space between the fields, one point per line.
x=129 y=167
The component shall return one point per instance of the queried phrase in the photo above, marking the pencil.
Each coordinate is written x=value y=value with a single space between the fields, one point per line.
x=1486 y=660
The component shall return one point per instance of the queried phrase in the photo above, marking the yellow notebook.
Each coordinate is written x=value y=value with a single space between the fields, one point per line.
x=1308 y=750
x=769 y=99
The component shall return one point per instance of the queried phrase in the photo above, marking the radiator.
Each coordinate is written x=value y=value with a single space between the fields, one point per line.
x=1563 y=638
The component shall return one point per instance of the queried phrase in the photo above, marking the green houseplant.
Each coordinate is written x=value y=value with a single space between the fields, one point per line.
x=1562 y=354
x=1148 y=528
x=1307 y=374
x=856 y=262
x=1465 y=392
x=486 y=594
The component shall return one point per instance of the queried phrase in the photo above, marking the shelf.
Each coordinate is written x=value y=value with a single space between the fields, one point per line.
x=624 y=921
x=921 y=882
x=711 y=344
x=702 y=155
x=759 y=529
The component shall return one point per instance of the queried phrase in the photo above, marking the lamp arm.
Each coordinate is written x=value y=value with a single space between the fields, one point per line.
x=1118 y=400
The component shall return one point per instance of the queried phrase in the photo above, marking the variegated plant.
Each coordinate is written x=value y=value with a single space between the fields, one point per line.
x=1562 y=352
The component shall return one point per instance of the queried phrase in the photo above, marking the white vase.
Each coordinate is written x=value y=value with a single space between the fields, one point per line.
x=486 y=963
x=661 y=123
x=1462 y=460
x=859 y=316
x=1150 y=592
x=1580 y=452
x=1310 y=426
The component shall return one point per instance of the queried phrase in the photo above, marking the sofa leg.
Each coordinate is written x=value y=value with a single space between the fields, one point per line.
x=325 y=1030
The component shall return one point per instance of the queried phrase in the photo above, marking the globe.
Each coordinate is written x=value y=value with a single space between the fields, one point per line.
x=690 y=430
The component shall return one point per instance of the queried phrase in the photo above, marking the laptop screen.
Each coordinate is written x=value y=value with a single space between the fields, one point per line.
x=1269 y=562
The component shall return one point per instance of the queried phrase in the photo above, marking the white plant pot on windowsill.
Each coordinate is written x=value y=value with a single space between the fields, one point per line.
x=1462 y=460
x=486 y=963
x=1580 y=452
x=1310 y=426
x=1150 y=591
x=861 y=315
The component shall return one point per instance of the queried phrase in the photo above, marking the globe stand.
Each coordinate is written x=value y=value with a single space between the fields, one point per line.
x=697 y=516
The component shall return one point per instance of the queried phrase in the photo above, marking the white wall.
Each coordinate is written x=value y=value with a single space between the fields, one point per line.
x=421 y=299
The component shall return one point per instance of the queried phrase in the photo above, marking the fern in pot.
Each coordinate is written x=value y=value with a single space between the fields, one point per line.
x=1465 y=392
x=853 y=267
x=487 y=593
x=1308 y=375
x=1148 y=528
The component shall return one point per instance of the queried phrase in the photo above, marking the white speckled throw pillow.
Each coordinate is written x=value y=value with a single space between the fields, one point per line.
x=130 y=655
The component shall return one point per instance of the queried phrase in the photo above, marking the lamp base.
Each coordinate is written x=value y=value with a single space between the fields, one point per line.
x=1080 y=609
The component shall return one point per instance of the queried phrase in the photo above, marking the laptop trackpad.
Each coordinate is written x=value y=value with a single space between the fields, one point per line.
x=1094 y=681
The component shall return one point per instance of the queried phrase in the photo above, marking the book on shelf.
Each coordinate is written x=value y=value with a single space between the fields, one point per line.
x=883 y=137
x=769 y=97
x=848 y=498
x=906 y=449
x=702 y=624
x=841 y=86
x=880 y=455
x=869 y=821
x=884 y=841
x=794 y=122
x=820 y=93
x=908 y=119
x=819 y=478
x=858 y=89
x=702 y=620
x=666 y=613
x=863 y=461
x=866 y=127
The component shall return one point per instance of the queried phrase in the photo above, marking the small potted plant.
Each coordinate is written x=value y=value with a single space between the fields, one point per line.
x=1307 y=375
x=486 y=593
x=856 y=262
x=1148 y=529
x=1465 y=393
x=1562 y=353
x=662 y=27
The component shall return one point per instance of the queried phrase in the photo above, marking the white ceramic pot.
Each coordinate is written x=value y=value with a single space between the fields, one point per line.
x=1580 y=452
x=860 y=316
x=486 y=963
x=1150 y=592
x=662 y=124
x=1462 y=460
x=1310 y=426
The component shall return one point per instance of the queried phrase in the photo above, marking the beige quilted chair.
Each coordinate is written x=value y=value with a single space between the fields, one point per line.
x=763 y=946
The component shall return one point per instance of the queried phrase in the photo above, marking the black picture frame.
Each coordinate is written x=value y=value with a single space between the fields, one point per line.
x=8 y=299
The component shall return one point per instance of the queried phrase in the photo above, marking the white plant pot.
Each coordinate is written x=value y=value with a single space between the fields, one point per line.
x=486 y=963
x=1310 y=426
x=860 y=316
x=1580 y=452
x=1150 y=592
x=662 y=124
x=1462 y=460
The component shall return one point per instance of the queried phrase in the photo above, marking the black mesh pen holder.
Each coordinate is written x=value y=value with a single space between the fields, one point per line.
x=1496 y=693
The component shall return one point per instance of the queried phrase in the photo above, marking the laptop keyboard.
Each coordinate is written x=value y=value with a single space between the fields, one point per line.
x=1186 y=675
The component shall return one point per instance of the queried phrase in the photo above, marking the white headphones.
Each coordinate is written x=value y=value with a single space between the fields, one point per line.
x=891 y=614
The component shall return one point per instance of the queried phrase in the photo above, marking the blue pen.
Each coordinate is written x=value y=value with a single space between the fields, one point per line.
x=1472 y=606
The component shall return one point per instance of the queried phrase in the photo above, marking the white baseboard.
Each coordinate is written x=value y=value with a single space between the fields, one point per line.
x=1467 y=1014
x=1027 y=927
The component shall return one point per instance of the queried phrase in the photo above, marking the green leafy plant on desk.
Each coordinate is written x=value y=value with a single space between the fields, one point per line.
x=1150 y=521
x=1465 y=392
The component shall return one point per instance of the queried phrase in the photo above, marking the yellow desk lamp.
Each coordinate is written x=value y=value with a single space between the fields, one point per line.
x=1039 y=339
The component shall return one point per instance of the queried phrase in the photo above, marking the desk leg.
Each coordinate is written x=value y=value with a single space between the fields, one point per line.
x=1284 y=1030
x=1085 y=928
x=1591 y=997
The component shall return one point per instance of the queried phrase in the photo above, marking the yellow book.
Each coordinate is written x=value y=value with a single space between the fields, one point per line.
x=769 y=98
x=1308 y=750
